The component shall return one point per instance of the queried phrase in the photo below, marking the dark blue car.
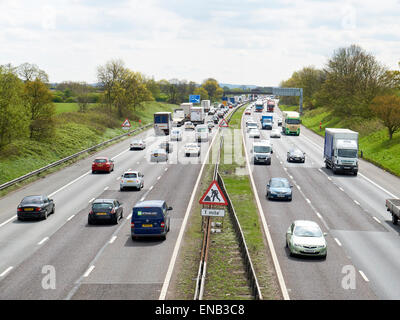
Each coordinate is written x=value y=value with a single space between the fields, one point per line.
x=279 y=188
x=150 y=219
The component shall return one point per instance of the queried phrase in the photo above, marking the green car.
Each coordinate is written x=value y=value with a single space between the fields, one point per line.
x=305 y=238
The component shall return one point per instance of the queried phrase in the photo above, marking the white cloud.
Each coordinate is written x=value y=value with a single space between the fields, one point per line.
x=257 y=43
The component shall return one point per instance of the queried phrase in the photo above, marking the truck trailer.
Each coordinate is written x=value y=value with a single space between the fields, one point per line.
x=341 y=150
x=393 y=206
x=197 y=115
x=206 y=104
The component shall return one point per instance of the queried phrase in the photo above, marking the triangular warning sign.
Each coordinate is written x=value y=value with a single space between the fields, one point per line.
x=126 y=123
x=214 y=196
x=223 y=124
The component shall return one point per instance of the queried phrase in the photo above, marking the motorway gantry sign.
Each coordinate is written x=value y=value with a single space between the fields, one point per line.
x=194 y=98
x=214 y=196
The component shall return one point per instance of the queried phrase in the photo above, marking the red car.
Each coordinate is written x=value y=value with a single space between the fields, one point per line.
x=102 y=164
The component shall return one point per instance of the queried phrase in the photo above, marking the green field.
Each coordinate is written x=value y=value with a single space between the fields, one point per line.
x=374 y=140
x=74 y=132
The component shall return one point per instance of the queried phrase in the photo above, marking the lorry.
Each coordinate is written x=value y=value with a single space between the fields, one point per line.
x=270 y=106
x=187 y=106
x=259 y=107
x=206 y=104
x=197 y=115
x=267 y=122
x=162 y=123
x=393 y=206
x=178 y=117
x=291 y=123
x=341 y=150
x=262 y=151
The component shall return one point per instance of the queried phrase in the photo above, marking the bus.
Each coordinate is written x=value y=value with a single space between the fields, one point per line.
x=162 y=123
x=291 y=123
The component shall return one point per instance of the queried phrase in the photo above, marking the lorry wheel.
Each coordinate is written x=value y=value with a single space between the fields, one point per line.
x=355 y=173
x=395 y=219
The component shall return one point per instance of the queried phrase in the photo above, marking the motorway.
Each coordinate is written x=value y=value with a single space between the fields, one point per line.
x=363 y=245
x=95 y=261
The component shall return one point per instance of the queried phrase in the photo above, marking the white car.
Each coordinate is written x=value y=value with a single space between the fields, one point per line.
x=137 y=144
x=279 y=121
x=158 y=155
x=189 y=125
x=275 y=133
x=254 y=133
x=131 y=179
x=251 y=125
x=201 y=133
x=191 y=149
x=176 y=134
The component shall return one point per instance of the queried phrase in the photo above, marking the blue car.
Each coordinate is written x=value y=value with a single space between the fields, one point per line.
x=279 y=188
x=150 y=219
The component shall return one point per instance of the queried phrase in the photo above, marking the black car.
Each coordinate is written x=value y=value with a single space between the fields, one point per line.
x=35 y=207
x=105 y=210
x=296 y=155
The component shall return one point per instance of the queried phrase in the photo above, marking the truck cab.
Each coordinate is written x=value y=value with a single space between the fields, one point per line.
x=267 y=122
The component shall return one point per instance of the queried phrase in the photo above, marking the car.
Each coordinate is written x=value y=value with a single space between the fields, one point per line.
x=305 y=238
x=251 y=125
x=167 y=146
x=215 y=119
x=210 y=124
x=211 y=112
x=176 y=134
x=150 y=218
x=189 y=125
x=191 y=149
x=279 y=188
x=102 y=164
x=201 y=133
x=254 y=133
x=275 y=133
x=105 y=210
x=250 y=120
x=158 y=155
x=137 y=144
x=131 y=179
x=247 y=112
x=279 y=121
x=296 y=155
x=35 y=207
x=175 y=124
x=220 y=114
x=262 y=152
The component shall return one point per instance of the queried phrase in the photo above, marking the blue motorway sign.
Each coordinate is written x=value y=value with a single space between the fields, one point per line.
x=224 y=98
x=232 y=100
x=194 y=98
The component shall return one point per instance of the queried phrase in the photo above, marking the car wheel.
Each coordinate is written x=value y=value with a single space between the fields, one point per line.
x=115 y=219
x=324 y=257
x=93 y=172
x=90 y=221
x=45 y=215
x=395 y=219
x=54 y=210
x=21 y=219
x=286 y=244
x=164 y=237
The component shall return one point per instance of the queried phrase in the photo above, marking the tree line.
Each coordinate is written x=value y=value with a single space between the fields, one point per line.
x=27 y=99
x=353 y=83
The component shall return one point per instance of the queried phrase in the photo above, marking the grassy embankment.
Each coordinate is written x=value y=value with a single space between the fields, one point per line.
x=74 y=132
x=374 y=140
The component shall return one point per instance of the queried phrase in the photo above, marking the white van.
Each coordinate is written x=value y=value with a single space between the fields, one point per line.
x=262 y=152
x=202 y=133
x=176 y=134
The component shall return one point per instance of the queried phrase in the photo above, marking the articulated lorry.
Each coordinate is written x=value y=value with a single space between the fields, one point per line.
x=267 y=122
x=393 y=206
x=270 y=105
x=206 y=104
x=291 y=123
x=187 y=107
x=197 y=115
x=178 y=116
x=341 y=150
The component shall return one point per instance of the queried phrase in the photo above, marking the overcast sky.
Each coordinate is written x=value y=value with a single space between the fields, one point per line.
x=259 y=42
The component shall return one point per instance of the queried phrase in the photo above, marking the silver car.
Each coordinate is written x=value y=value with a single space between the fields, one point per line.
x=305 y=238
x=132 y=179
x=158 y=155
x=137 y=144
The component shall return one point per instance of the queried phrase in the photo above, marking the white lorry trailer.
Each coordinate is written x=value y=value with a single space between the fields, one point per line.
x=206 y=104
x=187 y=107
x=393 y=206
x=197 y=115
x=178 y=117
x=341 y=150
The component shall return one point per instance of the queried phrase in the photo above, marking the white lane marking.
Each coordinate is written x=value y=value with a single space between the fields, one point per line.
x=70 y=218
x=106 y=188
x=308 y=200
x=118 y=178
x=142 y=199
x=338 y=242
x=68 y=184
x=320 y=170
x=357 y=203
x=285 y=169
x=363 y=275
x=128 y=217
x=329 y=178
x=318 y=215
x=298 y=187
x=377 y=220
x=7 y=221
x=159 y=178
x=341 y=189
x=112 y=239
x=166 y=169
x=43 y=240
x=91 y=200
x=120 y=154
x=88 y=271
x=291 y=177
x=6 y=271
x=151 y=188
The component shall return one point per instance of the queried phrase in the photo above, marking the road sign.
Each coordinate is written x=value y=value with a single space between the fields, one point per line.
x=194 y=98
x=126 y=125
x=212 y=213
x=213 y=196
x=223 y=124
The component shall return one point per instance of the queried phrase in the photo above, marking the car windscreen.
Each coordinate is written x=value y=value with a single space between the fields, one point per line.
x=100 y=160
x=176 y=132
x=279 y=184
x=262 y=149
x=347 y=153
x=201 y=129
x=309 y=231
x=130 y=175
x=145 y=213
x=35 y=199
x=102 y=206
x=292 y=121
